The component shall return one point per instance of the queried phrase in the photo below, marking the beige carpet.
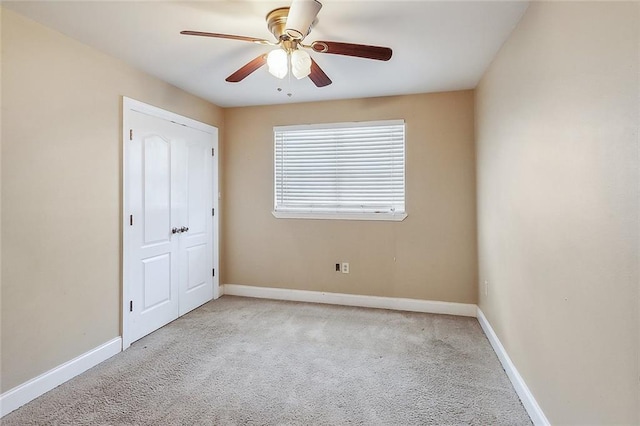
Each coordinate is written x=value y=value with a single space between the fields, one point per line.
x=259 y=362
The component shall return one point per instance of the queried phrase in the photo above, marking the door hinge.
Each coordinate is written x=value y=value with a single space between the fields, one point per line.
x=213 y=152
x=214 y=271
x=131 y=306
x=213 y=212
x=130 y=134
x=130 y=220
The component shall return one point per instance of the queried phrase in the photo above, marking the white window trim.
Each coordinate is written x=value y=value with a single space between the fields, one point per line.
x=394 y=217
x=342 y=216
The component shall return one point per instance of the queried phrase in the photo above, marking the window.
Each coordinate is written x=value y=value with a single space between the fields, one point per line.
x=340 y=171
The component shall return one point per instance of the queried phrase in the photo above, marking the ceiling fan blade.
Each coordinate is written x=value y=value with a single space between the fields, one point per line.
x=319 y=78
x=247 y=69
x=350 y=49
x=302 y=13
x=229 y=36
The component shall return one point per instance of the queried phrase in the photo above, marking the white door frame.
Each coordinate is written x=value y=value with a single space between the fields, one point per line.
x=129 y=105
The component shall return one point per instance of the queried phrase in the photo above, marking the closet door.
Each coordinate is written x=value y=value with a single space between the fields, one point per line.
x=152 y=262
x=169 y=194
x=195 y=255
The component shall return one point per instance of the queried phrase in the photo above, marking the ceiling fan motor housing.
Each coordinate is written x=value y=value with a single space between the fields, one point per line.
x=277 y=22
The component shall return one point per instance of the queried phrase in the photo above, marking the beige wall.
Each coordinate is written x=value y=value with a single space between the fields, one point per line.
x=430 y=255
x=61 y=196
x=557 y=157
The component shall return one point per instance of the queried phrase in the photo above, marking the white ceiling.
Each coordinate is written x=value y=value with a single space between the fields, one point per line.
x=437 y=45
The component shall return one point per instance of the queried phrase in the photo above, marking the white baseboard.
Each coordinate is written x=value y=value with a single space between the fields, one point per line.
x=399 y=304
x=530 y=404
x=28 y=391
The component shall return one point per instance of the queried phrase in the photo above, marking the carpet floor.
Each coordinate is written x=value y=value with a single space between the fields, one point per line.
x=261 y=362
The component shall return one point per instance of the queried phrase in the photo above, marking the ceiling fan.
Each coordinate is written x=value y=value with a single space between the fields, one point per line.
x=290 y=26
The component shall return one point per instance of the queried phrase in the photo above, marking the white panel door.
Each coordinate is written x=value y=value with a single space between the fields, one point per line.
x=169 y=195
x=195 y=243
x=152 y=263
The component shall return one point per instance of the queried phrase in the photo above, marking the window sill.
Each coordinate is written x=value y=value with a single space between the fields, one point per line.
x=341 y=216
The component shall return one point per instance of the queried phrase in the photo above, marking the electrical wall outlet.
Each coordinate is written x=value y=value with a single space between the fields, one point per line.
x=345 y=268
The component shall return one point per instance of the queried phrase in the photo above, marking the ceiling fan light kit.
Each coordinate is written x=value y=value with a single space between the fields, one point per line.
x=289 y=57
x=290 y=26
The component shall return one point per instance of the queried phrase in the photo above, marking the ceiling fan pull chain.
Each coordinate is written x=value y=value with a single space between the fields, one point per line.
x=289 y=74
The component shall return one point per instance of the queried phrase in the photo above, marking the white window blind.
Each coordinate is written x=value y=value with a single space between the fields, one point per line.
x=342 y=168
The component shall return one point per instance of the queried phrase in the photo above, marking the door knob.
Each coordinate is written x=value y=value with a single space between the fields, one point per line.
x=184 y=229
x=175 y=230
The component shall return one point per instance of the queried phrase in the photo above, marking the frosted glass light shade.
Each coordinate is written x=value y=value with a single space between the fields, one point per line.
x=278 y=63
x=300 y=64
